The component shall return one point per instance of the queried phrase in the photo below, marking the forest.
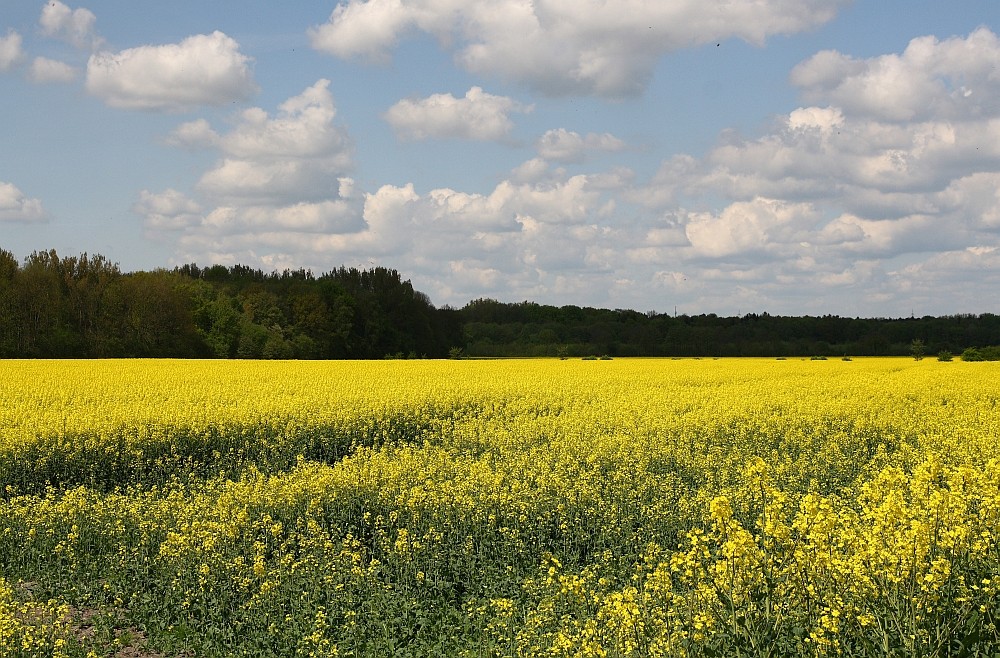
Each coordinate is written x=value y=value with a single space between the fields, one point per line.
x=84 y=306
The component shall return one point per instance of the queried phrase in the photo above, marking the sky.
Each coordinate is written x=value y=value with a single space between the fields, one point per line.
x=794 y=157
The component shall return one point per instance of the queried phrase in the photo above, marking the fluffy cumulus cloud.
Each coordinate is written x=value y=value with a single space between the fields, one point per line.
x=45 y=70
x=11 y=52
x=562 y=46
x=885 y=160
x=74 y=26
x=478 y=116
x=563 y=145
x=167 y=210
x=363 y=28
x=951 y=79
x=297 y=155
x=278 y=179
x=204 y=69
x=976 y=196
x=458 y=243
x=193 y=135
x=749 y=227
x=323 y=217
x=15 y=207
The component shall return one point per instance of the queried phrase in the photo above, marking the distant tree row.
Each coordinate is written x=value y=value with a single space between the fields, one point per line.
x=84 y=306
x=492 y=328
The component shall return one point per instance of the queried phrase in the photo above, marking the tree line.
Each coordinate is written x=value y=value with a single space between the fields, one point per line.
x=85 y=306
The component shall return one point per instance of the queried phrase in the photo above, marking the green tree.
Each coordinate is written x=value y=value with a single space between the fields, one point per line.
x=10 y=316
x=218 y=321
x=39 y=296
x=148 y=314
x=85 y=283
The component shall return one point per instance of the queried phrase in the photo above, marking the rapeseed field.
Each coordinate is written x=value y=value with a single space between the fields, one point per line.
x=731 y=507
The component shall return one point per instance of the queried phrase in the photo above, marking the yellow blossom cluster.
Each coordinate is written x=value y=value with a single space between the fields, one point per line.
x=633 y=507
x=31 y=628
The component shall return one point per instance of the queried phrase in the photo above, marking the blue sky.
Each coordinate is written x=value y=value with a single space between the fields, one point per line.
x=788 y=156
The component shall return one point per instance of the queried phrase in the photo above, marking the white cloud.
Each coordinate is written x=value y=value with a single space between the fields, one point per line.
x=843 y=230
x=949 y=272
x=951 y=79
x=891 y=237
x=168 y=210
x=278 y=188
x=872 y=166
x=330 y=216
x=193 y=135
x=896 y=179
x=303 y=128
x=362 y=28
x=44 y=70
x=387 y=215
x=298 y=155
x=977 y=197
x=506 y=211
x=570 y=201
x=533 y=171
x=252 y=181
x=672 y=177
x=563 y=46
x=11 y=53
x=823 y=119
x=856 y=186
x=451 y=209
x=205 y=69
x=752 y=226
x=958 y=267
x=17 y=208
x=563 y=145
x=478 y=116
x=74 y=26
